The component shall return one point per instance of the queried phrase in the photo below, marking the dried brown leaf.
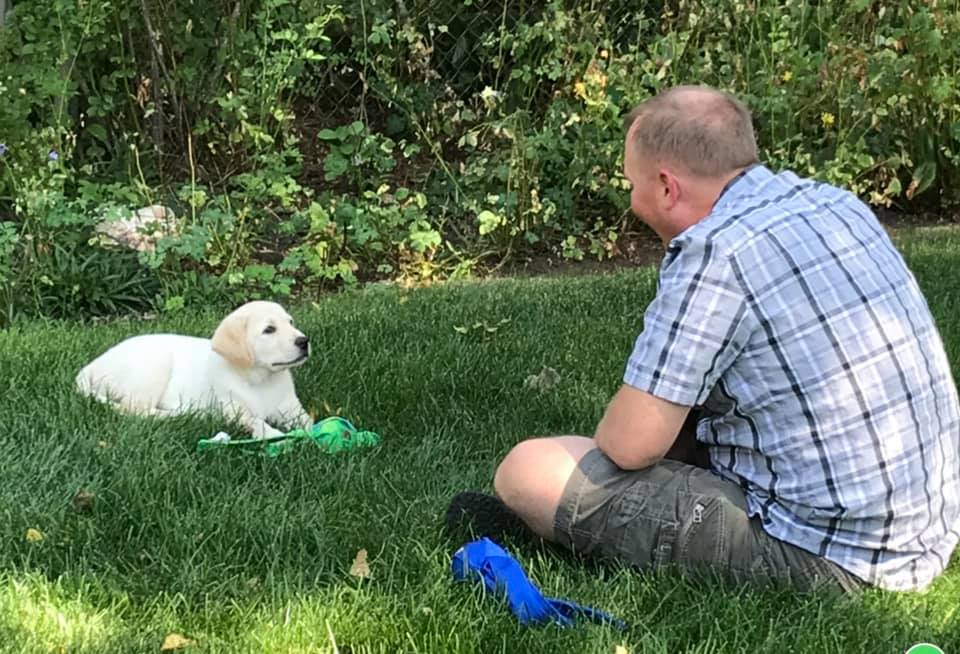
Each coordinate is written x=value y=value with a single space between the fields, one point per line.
x=360 y=568
x=173 y=642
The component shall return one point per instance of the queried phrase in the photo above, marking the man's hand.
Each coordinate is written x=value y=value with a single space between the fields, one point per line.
x=638 y=428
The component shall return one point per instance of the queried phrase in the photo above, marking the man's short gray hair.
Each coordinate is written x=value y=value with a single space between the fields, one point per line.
x=706 y=131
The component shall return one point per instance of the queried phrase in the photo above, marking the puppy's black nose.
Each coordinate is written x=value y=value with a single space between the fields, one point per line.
x=302 y=342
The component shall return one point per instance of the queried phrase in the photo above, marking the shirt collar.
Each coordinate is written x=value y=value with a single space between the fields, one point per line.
x=743 y=184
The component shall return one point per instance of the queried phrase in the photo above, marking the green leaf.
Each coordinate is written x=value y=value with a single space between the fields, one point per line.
x=489 y=221
x=319 y=218
x=98 y=132
x=173 y=303
x=923 y=176
x=423 y=239
x=334 y=166
x=894 y=188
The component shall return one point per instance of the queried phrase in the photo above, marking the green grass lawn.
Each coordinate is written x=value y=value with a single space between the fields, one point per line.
x=244 y=554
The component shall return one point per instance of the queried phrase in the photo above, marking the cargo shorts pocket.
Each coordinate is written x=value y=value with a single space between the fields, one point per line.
x=704 y=537
x=646 y=531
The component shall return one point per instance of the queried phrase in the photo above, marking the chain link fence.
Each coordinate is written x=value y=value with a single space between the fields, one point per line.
x=453 y=49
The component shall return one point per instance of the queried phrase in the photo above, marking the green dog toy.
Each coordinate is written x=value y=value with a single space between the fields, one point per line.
x=332 y=435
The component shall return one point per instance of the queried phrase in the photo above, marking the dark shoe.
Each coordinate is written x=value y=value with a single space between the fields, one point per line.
x=472 y=515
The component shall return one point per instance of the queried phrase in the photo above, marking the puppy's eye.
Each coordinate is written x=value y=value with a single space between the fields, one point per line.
x=269 y=329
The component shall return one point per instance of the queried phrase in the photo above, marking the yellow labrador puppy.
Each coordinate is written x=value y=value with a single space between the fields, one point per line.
x=243 y=372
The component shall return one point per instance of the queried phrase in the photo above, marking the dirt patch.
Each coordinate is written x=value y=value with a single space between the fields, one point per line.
x=643 y=248
x=892 y=219
x=636 y=249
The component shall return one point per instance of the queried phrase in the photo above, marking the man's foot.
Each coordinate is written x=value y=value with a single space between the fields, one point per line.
x=474 y=515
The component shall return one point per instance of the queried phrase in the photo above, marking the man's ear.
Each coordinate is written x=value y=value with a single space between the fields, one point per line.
x=230 y=341
x=669 y=189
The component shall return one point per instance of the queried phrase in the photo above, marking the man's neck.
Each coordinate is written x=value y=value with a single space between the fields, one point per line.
x=704 y=194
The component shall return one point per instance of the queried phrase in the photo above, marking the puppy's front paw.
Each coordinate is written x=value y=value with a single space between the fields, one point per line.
x=264 y=431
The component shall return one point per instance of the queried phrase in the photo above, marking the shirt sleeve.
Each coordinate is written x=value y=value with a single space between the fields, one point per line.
x=694 y=328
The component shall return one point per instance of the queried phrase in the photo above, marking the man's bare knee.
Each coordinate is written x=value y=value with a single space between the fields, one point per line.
x=532 y=477
x=511 y=470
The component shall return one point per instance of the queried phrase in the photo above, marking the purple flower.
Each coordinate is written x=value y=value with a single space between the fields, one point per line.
x=53 y=156
x=3 y=149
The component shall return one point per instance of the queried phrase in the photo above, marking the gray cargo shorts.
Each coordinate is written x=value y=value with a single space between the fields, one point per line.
x=676 y=515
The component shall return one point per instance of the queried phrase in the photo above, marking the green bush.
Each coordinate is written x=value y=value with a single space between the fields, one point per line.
x=306 y=145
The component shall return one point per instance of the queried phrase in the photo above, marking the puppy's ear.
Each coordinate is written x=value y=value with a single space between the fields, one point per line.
x=230 y=341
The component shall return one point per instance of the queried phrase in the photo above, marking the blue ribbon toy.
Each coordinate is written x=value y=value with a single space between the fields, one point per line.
x=500 y=572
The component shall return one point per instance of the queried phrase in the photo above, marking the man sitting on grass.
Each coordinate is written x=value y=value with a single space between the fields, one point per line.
x=785 y=315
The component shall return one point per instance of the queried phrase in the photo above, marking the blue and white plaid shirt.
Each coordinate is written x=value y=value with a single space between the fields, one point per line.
x=789 y=316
